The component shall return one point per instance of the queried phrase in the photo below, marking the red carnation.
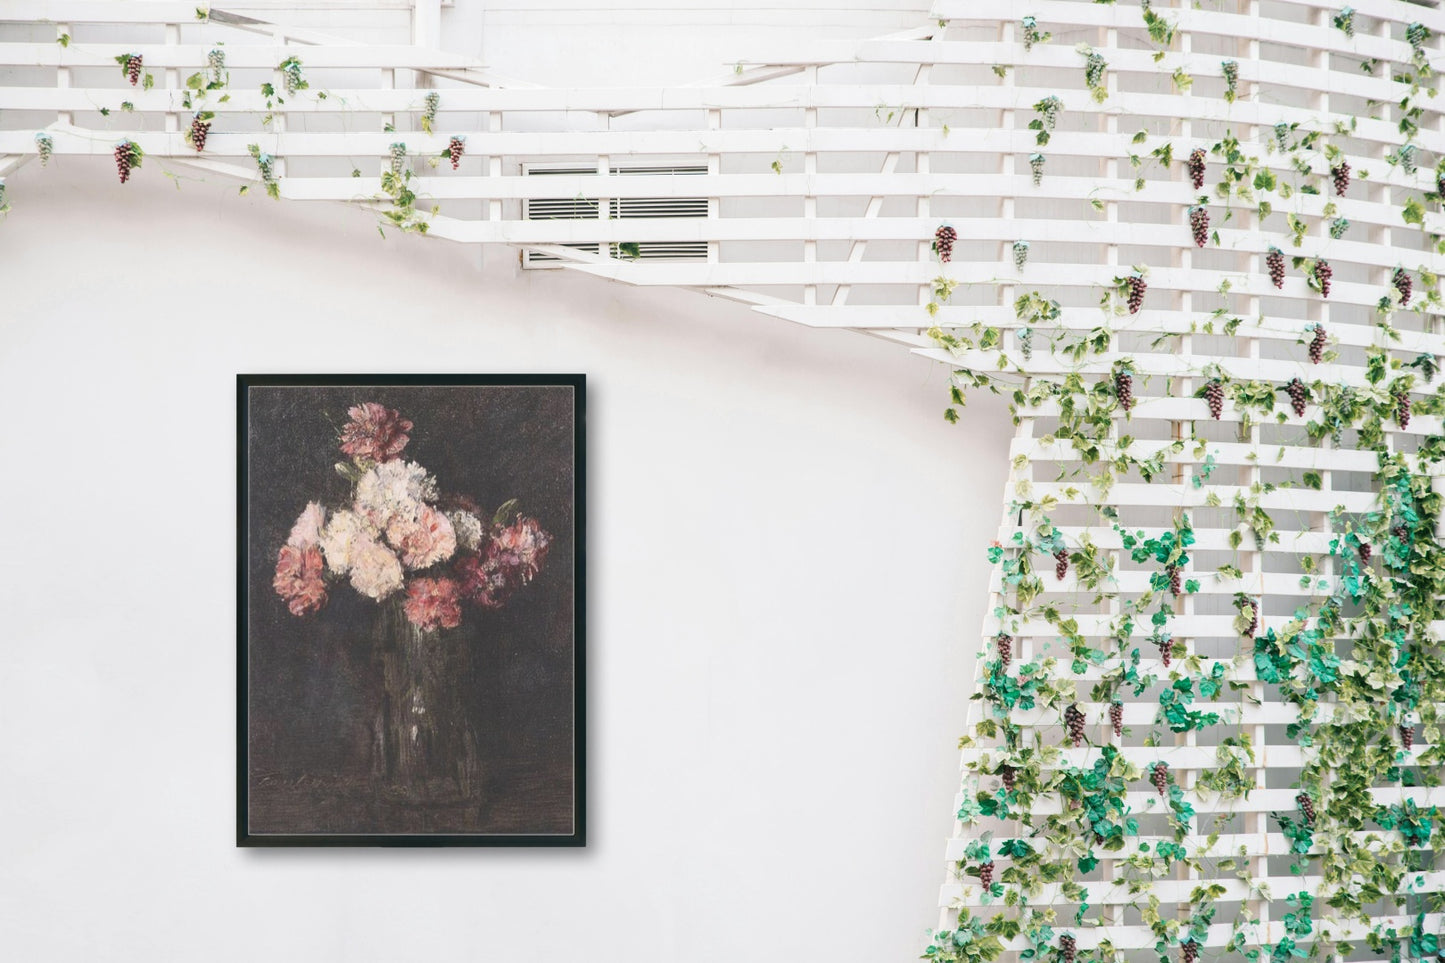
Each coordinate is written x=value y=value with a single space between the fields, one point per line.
x=512 y=557
x=298 y=579
x=432 y=603
x=374 y=433
x=483 y=582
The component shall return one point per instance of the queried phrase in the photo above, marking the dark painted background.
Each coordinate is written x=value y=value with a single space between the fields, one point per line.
x=311 y=679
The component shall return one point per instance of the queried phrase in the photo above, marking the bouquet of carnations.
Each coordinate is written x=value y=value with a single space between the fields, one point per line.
x=398 y=536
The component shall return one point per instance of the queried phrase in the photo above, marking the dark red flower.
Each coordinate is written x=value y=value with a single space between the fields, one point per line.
x=511 y=557
x=433 y=603
x=454 y=501
x=484 y=582
x=374 y=433
x=299 y=579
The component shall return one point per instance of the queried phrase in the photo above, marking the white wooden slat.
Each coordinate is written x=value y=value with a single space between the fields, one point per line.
x=1179 y=890
x=1278 y=584
x=1165 y=365
x=1140 y=937
x=1154 y=321
x=1259 y=800
x=1176 y=757
x=1222 y=845
x=238 y=56
x=613 y=101
x=97 y=11
x=909 y=272
x=1219 y=23
x=1290 y=756
x=1187 y=409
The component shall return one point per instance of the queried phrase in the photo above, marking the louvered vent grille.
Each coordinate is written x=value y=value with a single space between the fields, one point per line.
x=621 y=209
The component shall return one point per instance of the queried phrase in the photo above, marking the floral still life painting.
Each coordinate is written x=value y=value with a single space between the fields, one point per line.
x=411 y=631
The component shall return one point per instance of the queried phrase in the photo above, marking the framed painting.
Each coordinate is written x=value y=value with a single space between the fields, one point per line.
x=410 y=658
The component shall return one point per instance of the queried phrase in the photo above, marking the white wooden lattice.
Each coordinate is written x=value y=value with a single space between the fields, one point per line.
x=827 y=171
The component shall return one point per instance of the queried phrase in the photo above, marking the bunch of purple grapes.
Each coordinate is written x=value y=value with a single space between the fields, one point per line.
x=124 y=159
x=1403 y=284
x=1196 y=167
x=1067 y=948
x=1306 y=806
x=1176 y=581
x=455 y=147
x=1299 y=395
x=1253 y=617
x=1402 y=408
x=1323 y=273
x=1061 y=564
x=1188 y=951
x=1366 y=553
x=1009 y=777
x=1274 y=260
x=133 y=65
x=1317 y=345
x=1116 y=718
x=1407 y=737
x=1004 y=642
x=1340 y=173
x=1159 y=776
x=1074 y=720
x=1199 y=224
x=1137 y=287
x=985 y=873
x=1214 y=394
x=1166 y=651
x=199 y=129
x=1124 y=389
x=943 y=239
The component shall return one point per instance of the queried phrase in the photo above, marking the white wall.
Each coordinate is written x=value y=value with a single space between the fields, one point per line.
x=787 y=579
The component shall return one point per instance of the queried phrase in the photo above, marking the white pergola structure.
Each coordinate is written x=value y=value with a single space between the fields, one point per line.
x=809 y=185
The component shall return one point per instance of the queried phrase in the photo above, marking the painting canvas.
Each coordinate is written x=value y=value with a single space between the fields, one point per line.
x=410 y=657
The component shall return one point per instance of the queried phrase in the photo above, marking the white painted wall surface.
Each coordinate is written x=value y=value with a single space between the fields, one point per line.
x=786 y=587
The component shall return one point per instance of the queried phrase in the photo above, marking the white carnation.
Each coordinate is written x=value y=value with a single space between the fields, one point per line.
x=468 y=528
x=307 y=530
x=344 y=534
x=375 y=569
x=395 y=489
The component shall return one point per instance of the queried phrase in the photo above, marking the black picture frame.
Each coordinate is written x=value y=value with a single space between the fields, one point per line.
x=245 y=837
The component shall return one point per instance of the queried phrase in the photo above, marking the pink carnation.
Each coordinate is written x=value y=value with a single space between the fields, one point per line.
x=521 y=547
x=423 y=541
x=374 y=433
x=432 y=603
x=298 y=579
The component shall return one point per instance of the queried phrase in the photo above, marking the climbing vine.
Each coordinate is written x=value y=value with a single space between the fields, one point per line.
x=1058 y=751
